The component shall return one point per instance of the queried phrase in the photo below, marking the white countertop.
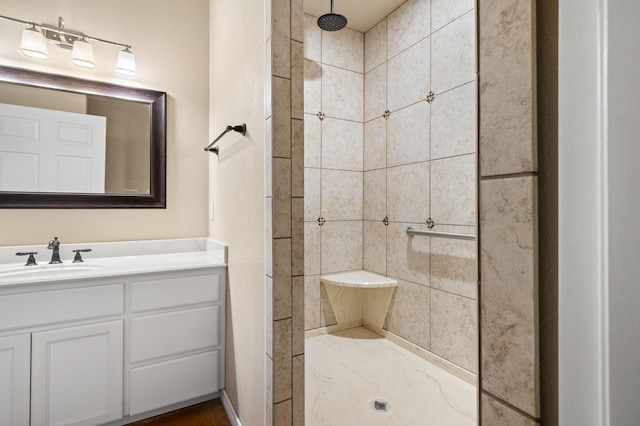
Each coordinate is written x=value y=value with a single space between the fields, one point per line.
x=135 y=257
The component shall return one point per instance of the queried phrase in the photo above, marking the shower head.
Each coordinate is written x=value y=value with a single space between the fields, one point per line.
x=332 y=21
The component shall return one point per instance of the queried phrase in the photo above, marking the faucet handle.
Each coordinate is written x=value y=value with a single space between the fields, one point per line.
x=78 y=257
x=31 y=260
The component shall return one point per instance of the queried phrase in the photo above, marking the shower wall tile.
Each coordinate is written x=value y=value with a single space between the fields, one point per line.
x=312 y=39
x=342 y=93
x=342 y=144
x=453 y=122
x=507 y=87
x=312 y=141
x=446 y=11
x=409 y=76
x=282 y=377
x=410 y=312
x=454 y=329
x=297 y=158
x=407 y=25
x=297 y=236
x=453 y=52
x=343 y=49
x=281 y=278
x=282 y=198
x=375 y=144
x=312 y=87
x=408 y=138
x=454 y=267
x=453 y=190
x=375 y=93
x=312 y=248
x=283 y=413
x=268 y=389
x=281 y=119
x=297 y=315
x=311 y=302
x=408 y=258
x=408 y=193
x=375 y=195
x=268 y=99
x=341 y=246
x=281 y=38
x=297 y=80
x=341 y=195
x=298 y=390
x=297 y=20
x=375 y=247
x=495 y=413
x=327 y=316
x=312 y=188
x=509 y=264
x=375 y=46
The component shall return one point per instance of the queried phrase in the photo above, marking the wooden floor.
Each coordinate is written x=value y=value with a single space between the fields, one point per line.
x=210 y=413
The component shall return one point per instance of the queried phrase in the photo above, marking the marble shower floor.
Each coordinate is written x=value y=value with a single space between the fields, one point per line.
x=345 y=371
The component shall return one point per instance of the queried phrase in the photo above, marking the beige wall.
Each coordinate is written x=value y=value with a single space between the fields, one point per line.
x=174 y=61
x=237 y=182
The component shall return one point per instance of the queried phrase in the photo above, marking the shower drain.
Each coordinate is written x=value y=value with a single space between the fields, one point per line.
x=380 y=405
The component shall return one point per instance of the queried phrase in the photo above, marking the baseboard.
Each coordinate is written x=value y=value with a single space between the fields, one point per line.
x=228 y=407
x=331 y=329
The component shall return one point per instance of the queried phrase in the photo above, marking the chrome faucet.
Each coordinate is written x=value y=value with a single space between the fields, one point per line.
x=55 y=246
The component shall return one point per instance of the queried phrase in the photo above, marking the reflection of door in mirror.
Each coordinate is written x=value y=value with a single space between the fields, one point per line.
x=43 y=150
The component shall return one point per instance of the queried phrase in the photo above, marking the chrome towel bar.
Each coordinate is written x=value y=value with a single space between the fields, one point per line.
x=242 y=128
x=411 y=232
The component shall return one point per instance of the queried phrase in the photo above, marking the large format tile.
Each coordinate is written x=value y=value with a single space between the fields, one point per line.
x=375 y=247
x=453 y=190
x=453 y=122
x=343 y=49
x=297 y=315
x=342 y=144
x=407 y=25
x=342 y=93
x=312 y=86
x=312 y=141
x=454 y=267
x=345 y=371
x=408 y=138
x=508 y=225
x=311 y=302
x=298 y=390
x=297 y=158
x=297 y=236
x=341 y=195
x=281 y=118
x=409 y=76
x=453 y=54
x=297 y=80
x=281 y=197
x=341 y=246
x=312 y=188
x=408 y=193
x=446 y=11
x=281 y=278
x=312 y=39
x=507 y=87
x=281 y=37
x=312 y=248
x=454 y=329
x=281 y=360
x=375 y=93
x=375 y=195
x=407 y=257
x=375 y=46
x=410 y=313
x=375 y=144
x=495 y=413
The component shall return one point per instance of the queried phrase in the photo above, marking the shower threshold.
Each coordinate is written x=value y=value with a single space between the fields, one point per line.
x=348 y=371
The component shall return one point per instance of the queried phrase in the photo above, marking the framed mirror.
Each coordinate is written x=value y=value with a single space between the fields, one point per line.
x=72 y=143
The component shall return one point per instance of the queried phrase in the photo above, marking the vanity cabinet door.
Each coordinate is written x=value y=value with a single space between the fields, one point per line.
x=15 y=357
x=76 y=375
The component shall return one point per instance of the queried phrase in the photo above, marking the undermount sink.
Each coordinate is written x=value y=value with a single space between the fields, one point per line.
x=47 y=270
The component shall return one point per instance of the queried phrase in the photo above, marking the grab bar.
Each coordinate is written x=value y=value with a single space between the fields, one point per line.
x=242 y=128
x=411 y=232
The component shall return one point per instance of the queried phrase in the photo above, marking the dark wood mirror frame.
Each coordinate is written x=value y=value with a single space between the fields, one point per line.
x=157 y=102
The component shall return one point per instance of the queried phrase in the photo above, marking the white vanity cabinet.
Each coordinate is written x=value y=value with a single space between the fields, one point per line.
x=110 y=350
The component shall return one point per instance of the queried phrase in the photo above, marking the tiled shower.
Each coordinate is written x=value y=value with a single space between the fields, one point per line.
x=390 y=142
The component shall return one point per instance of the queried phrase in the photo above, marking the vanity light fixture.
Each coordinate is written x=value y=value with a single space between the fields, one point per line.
x=36 y=37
